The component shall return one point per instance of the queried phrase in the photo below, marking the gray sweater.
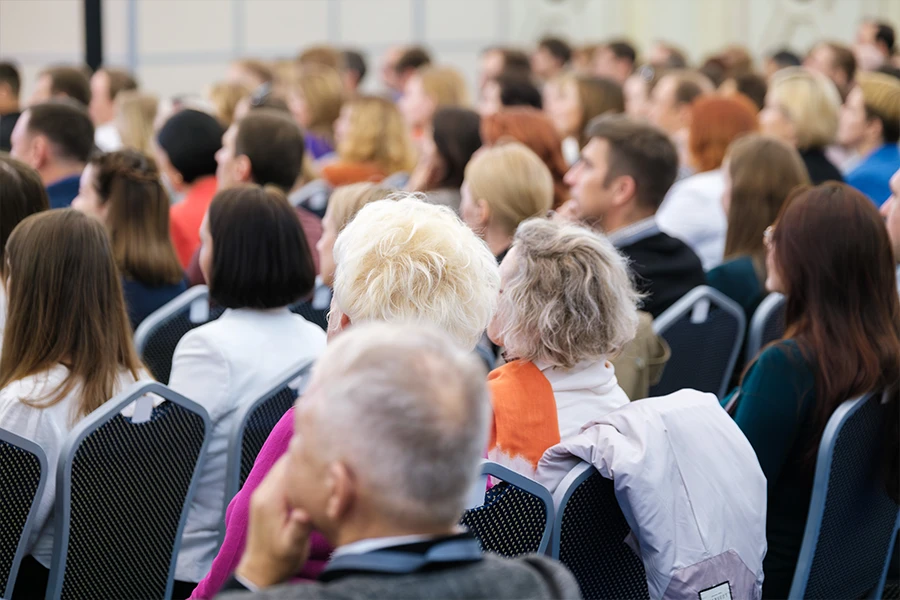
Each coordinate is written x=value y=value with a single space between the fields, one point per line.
x=528 y=578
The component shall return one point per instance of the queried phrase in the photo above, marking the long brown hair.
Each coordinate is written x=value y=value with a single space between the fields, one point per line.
x=23 y=195
x=834 y=256
x=138 y=217
x=763 y=171
x=65 y=306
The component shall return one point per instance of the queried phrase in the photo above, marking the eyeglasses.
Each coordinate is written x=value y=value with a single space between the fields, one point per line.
x=767 y=236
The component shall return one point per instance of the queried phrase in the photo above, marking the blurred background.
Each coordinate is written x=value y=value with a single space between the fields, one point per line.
x=180 y=46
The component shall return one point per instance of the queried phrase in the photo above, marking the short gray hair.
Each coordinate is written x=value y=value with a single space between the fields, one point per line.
x=408 y=411
x=570 y=299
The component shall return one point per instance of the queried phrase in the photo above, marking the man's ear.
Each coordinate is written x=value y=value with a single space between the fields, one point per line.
x=40 y=151
x=243 y=168
x=342 y=492
x=624 y=189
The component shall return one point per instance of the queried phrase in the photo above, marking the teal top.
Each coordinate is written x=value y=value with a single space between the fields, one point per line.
x=737 y=279
x=774 y=411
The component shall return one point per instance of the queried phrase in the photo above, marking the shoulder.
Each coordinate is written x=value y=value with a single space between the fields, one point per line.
x=534 y=572
x=784 y=360
x=737 y=269
x=34 y=386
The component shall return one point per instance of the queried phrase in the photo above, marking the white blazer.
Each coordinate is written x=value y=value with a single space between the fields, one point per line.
x=693 y=213
x=223 y=365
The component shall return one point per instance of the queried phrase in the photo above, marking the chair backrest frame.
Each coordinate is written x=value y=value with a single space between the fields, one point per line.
x=684 y=306
x=767 y=309
x=86 y=427
x=32 y=448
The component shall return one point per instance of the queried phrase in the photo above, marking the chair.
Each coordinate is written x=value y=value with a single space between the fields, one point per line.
x=123 y=488
x=516 y=516
x=766 y=325
x=852 y=523
x=23 y=474
x=589 y=537
x=158 y=335
x=255 y=422
x=305 y=309
x=705 y=330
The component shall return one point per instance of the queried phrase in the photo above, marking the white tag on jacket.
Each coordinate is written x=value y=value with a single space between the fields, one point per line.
x=700 y=312
x=720 y=592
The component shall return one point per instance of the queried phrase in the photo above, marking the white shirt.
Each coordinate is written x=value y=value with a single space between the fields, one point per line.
x=221 y=366
x=107 y=137
x=583 y=394
x=693 y=213
x=47 y=427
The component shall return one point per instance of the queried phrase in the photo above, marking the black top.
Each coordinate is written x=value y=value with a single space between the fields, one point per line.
x=7 y=122
x=819 y=167
x=665 y=269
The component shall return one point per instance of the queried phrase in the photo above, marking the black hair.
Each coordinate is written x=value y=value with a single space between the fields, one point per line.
x=9 y=75
x=557 y=47
x=517 y=89
x=356 y=62
x=191 y=139
x=67 y=125
x=786 y=58
x=457 y=136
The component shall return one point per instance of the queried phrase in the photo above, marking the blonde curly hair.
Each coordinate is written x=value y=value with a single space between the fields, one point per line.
x=377 y=134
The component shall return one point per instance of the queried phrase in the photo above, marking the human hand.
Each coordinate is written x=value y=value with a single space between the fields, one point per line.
x=277 y=535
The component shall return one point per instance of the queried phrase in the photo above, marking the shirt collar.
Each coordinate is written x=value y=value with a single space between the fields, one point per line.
x=635 y=232
x=372 y=544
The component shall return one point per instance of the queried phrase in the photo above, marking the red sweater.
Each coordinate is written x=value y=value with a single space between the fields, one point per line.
x=186 y=217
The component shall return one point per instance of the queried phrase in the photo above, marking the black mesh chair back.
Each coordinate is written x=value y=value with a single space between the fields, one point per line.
x=23 y=474
x=766 y=326
x=852 y=522
x=705 y=330
x=158 y=335
x=305 y=309
x=589 y=538
x=123 y=492
x=516 y=517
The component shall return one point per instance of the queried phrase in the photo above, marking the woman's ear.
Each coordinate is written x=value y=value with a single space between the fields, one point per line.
x=484 y=212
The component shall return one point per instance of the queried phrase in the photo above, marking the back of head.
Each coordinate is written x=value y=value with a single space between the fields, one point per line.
x=640 y=151
x=881 y=94
x=347 y=200
x=569 y=299
x=323 y=93
x=69 y=81
x=557 y=48
x=786 y=58
x=812 y=103
x=715 y=123
x=120 y=80
x=517 y=89
x=445 y=85
x=9 y=76
x=135 y=114
x=457 y=135
x=408 y=412
x=843 y=59
x=514 y=183
x=412 y=58
x=534 y=129
x=322 y=56
x=516 y=61
x=260 y=257
x=763 y=172
x=23 y=196
x=884 y=34
x=225 y=97
x=128 y=183
x=407 y=260
x=273 y=143
x=689 y=85
x=754 y=86
x=67 y=126
x=354 y=61
x=622 y=50
x=377 y=133
x=65 y=305
x=191 y=139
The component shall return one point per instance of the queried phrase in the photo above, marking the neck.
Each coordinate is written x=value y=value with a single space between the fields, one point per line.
x=9 y=106
x=373 y=529
x=624 y=217
x=868 y=146
x=52 y=173
x=497 y=241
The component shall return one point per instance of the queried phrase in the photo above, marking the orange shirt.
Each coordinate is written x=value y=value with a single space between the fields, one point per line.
x=345 y=173
x=186 y=216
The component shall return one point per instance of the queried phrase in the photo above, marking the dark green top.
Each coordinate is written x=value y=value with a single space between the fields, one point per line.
x=737 y=279
x=775 y=413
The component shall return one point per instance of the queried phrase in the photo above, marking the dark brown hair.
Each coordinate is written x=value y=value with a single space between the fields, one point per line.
x=834 y=256
x=763 y=172
x=9 y=75
x=274 y=144
x=68 y=127
x=557 y=47
x=754 y=86
x=598 y=96
x=640 y=151
x=138 y=217
x=65 y=306
x=120 y=80
x=456 y=137
x=414 y=57
x=23 y=195
x=69 y=81
x=260 y=255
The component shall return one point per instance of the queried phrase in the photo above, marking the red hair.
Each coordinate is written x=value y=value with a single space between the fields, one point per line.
x=717 y=121
x=534 y=129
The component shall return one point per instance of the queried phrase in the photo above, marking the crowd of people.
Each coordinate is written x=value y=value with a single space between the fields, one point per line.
x=536 y=224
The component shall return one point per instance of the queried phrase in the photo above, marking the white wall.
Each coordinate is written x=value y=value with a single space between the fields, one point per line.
x=179 y=46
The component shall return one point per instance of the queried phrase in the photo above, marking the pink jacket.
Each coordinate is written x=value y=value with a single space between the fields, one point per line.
x=238 y=512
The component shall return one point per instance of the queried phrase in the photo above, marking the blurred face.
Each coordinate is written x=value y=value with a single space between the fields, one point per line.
x=543 y=64
x=866 y=33
x=591 y=197
x=606 y=64
x=22 y=144
x=389 y=76
x=490 y=103
x=299 y=108
x=821 y=59
x=774 y=280
x=88 y=200
x=42 y=89
x=508 y=269
x=852 y=124
x=417 y=106
x=726 y=191
x=563 y=106
x=663 y=111
x=891 y=212
x=325 y=248
x=774 y=121
x=228 y=169
x=206 y=249
x=491 y=66
x=342 y=124
x=101 y=107
x=636 y=102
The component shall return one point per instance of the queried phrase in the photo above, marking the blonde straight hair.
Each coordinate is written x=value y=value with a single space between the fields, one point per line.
x=377 y=134
x=135 y=114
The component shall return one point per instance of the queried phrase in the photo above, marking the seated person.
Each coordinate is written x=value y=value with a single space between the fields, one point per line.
x=398 y=260
x=123 y=190
x=387 y=446
x=830 y=255
x=760 y=172
x=257 y=263
x=890 y=210
x=66 y=349
x=624 y=173
x=566 y=306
